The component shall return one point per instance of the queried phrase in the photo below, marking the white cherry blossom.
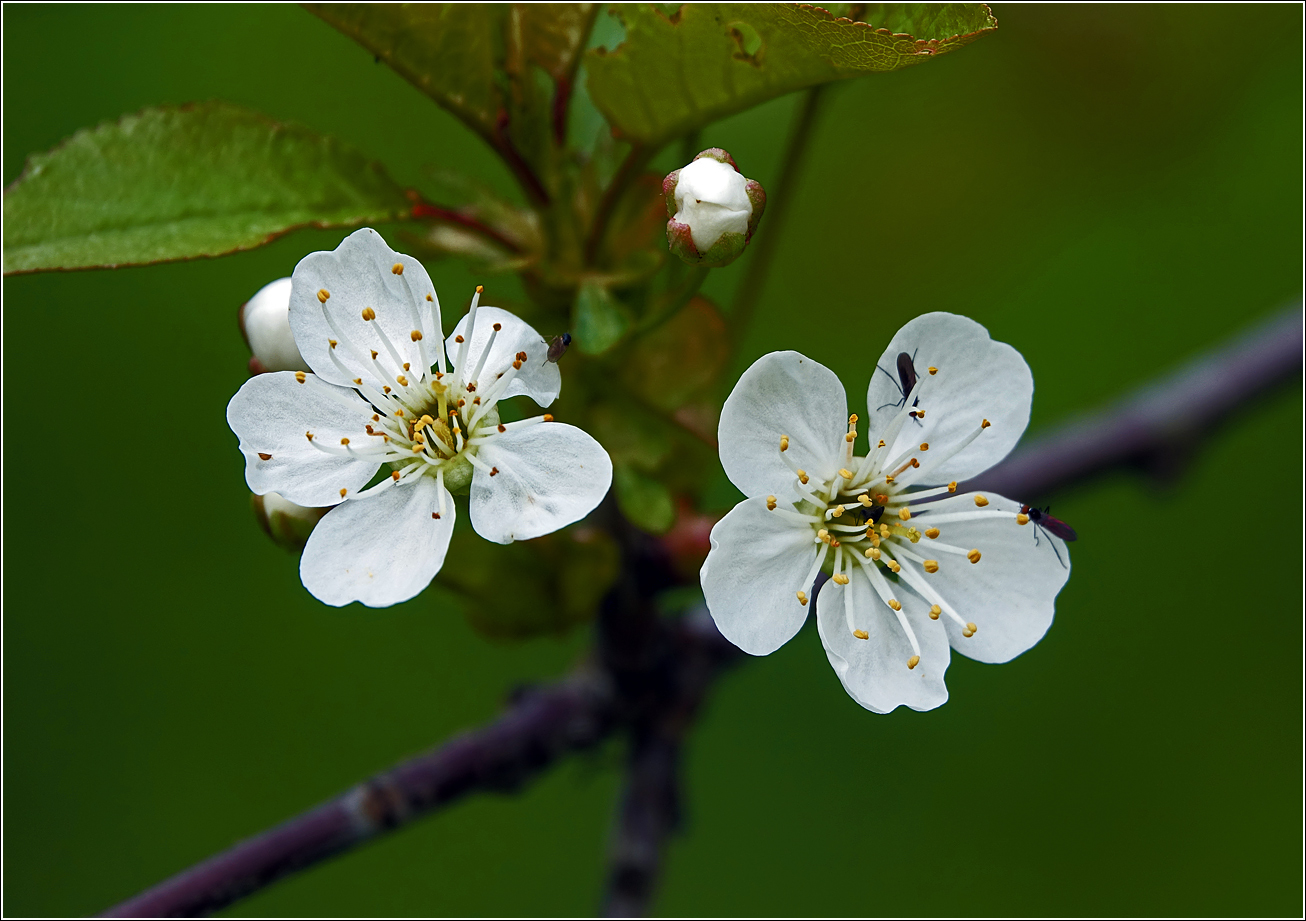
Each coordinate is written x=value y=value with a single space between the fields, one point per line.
x=265 y=321
x=387 y=394
x=917 y=564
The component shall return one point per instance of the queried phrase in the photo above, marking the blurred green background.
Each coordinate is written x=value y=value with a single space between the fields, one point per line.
x=1111 y=189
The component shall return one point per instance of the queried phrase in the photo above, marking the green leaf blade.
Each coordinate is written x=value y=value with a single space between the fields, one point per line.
x=449 y=51
x=676 y=73
x=182 y=183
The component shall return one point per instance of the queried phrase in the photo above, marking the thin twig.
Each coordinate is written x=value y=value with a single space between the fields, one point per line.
x=643 y=661
x=778 y=199
x=630 y=167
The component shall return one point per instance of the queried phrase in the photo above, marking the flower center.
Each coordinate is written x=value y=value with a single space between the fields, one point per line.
x=429 y=422
x=868 y=523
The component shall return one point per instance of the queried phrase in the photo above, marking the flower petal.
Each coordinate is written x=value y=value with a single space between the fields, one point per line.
x=357 y=275
x=266 y=321
x=538 y=378
x=272 y=413
x=1010 y=594
x=379 y=550
x=978 y=379
x=753 y=573
x=548 y=475
x=874 y=671
x=783 y=393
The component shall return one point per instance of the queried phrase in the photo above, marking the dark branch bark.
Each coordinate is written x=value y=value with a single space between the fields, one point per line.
x=652 y=674
x=1158 y=425
x=538 y=729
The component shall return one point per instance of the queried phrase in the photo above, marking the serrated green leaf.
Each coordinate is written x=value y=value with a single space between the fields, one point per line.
x=450 y=51
x=676 y=73
x=177 y=183
x=598 y=319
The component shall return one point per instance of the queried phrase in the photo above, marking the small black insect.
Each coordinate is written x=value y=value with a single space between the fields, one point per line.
x=558 y=347
x=873 y=514
x=1045 y=522
x=907 y=378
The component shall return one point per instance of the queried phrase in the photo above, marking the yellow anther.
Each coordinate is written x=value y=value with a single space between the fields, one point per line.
x=824 y=535
x=385 y=387
x=399 y=412
x=904 y=513
x=458 y=339
x=931 y=565
x=359 y=381
x=322 y=295
x=888 y=478
x=300 y=376
x=397 y=268
x=426 y=420
x=913 y=535
x=834 y=543
x=841 y=579
x=415 y=335
x=865 y=500
x=480 y=289
x=933 y=370
x=375 y=417
x=332 y=343
x=802 y=598
x=502 y=427
x=342 y=492
x=952 y=487
x=935 y=611
x=852 y=420
x=850 y=437
x=884 y=531
x=403 y=381
x=497 y=327
x=972 y=628
x=893 y=603
x=973 y=556
x=803 y=477
x=429 y=298
x=925 y=445
x=913 y=661
x=893 y=564
x=394 y=475
x=263 y=456
x=784 y=442
x=881 y=443
x=369 y=314
x=981 y=501
x=344 y=441
x=770 y=503
x=861 y=634
x=308 y=435
x=985 y=424
x=1022 y=518
x=881 y=498
x=873 y=553
x=837 y=511
x=845 y=473
x=548 y=417
x=374 y=354
x=915 y=462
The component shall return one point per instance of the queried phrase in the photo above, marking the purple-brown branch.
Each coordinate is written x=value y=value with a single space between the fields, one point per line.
x=650 y=675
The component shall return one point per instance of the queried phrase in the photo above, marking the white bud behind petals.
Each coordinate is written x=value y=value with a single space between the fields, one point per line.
x=266 y=322
x=712 y=200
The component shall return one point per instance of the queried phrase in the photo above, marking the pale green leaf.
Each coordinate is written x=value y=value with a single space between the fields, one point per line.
x=676 y=73
x=177 y=183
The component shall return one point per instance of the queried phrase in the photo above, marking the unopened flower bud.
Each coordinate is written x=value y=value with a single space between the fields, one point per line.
x=265 y=324
x=713 y=209
x=285 y=522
